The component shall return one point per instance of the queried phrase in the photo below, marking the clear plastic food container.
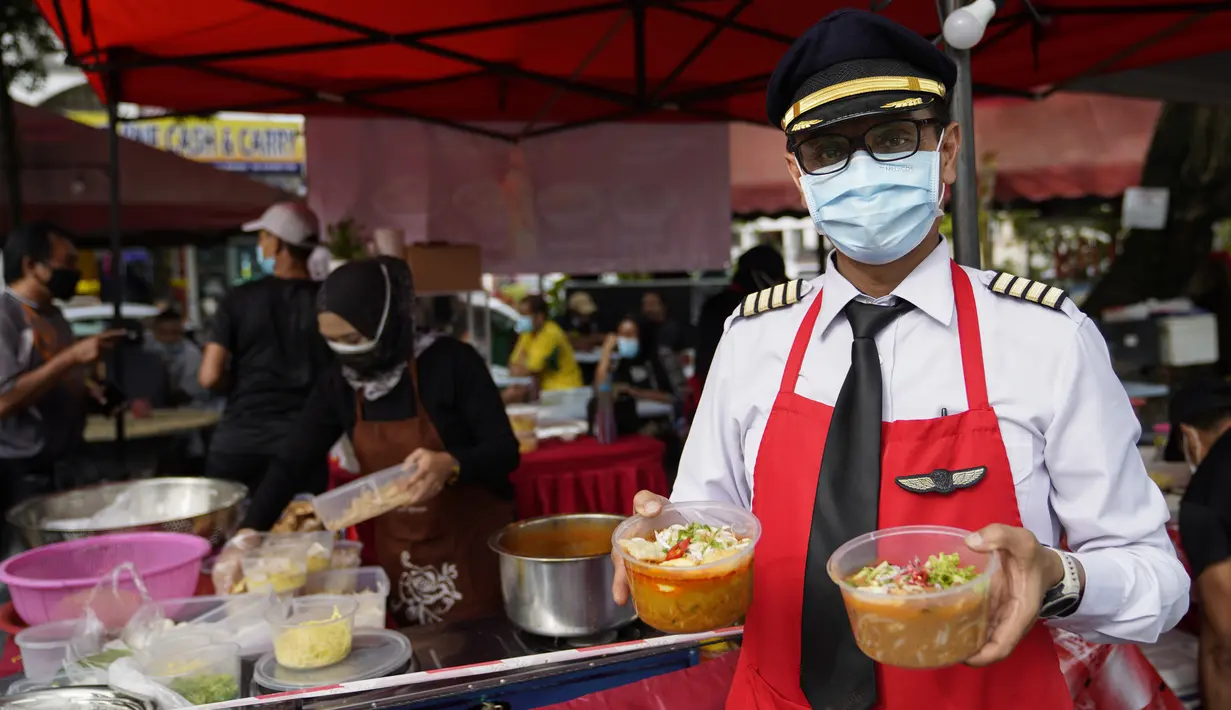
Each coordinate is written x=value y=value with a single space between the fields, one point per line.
x=523 y=417
x=202 y=674
x=318 y=546
x=313 y=632
x=347 y=554
x=690 y=599
x=368 y=586
x=928 y=629
x=364 y=498
x=275 y=568
x=236 y=618
x=44 y=648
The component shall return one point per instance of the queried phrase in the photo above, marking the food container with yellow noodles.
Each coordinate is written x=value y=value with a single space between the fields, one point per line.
x=701 y=597
x=201 y=673
x=368 y=586
x=277 y=569
x=317 y=546
x=313 y=632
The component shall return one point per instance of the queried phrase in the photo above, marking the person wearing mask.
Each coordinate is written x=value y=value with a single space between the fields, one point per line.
x=542 y=350
x=899 y=388
x=1201 y=416
x=424 y=402
x=758 y=268
x=264 y=351
x=180 y=356
x=658 y=325
x=639 y=370
x=581 y=323
x=46 y=380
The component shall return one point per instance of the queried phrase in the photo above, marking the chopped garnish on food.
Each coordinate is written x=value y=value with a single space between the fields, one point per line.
x=938 y=572
x=687 y=545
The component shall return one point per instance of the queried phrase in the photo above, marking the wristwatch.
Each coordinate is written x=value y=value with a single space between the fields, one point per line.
x=1062 y=599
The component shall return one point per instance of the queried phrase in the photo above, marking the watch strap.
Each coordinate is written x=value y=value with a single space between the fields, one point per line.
x=1063 y=599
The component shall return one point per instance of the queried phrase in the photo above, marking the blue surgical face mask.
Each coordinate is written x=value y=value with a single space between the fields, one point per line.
x=524 y=324
x=628 y=348
x=876 y=212
x=266 y=263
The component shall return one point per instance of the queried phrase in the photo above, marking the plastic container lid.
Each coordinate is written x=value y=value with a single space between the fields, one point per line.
x=375 y=653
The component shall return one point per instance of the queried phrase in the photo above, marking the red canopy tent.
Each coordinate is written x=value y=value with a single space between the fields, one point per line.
x=166 y=197
x=559 y=63
x=1065 y=146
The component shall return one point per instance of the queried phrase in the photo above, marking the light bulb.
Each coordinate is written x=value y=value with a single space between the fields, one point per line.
x=964 y=27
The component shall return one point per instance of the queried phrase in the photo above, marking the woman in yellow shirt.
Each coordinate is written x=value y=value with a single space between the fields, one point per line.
x=543 y=350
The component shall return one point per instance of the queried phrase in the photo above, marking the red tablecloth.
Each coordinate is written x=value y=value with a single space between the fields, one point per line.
x=584 y=476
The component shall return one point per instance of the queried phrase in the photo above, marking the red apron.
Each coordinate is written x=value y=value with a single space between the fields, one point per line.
x=785 y=476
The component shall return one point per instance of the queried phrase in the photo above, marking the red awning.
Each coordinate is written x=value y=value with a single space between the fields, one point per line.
x=1065 y=146
x=545 y=61
x=64 y=179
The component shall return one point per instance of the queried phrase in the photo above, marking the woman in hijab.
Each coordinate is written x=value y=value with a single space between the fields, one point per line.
x=421 y=401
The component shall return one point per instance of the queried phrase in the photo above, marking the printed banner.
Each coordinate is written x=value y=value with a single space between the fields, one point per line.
x=618 y=197
x=239 y=145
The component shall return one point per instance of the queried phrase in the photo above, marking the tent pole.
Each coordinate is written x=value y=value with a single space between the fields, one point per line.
x=112 y=79
x=965 y=202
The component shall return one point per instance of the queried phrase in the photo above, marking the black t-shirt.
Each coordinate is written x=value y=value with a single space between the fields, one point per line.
x=277 y=355
x=1205 y=510
x=572 y=325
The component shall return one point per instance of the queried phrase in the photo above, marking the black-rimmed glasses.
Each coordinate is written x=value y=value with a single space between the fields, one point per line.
x=828 y=153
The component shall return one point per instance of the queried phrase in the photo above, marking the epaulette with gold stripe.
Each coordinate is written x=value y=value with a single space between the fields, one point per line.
x=780 y=296
x=1038 y=292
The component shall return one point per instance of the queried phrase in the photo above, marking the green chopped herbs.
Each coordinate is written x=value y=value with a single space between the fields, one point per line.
x=939 y=572
x=106 y=658
x=206 y=688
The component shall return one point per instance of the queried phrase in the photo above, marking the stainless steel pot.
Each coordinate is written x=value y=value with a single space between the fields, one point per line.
x=207 y=507
x=556 y=575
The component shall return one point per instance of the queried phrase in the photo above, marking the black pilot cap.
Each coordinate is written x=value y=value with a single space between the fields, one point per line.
x=855 y=63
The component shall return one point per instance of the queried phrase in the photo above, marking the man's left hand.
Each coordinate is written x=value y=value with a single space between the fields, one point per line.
x=1027 y=571
x=432 y=471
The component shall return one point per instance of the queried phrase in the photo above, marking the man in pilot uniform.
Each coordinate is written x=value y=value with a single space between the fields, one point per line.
x=1000 y=410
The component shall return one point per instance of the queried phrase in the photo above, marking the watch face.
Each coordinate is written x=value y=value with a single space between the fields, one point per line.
x=1059 y=606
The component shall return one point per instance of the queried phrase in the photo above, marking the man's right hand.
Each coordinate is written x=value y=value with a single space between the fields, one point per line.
x=647 y=505
x=88 y=350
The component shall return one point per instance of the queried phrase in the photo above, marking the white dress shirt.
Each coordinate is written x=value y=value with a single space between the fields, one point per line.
x=1067 y=424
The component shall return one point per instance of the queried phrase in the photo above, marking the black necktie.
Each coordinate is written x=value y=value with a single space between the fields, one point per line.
x=833 y=673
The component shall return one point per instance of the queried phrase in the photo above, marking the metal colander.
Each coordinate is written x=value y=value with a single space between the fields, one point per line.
x=207 y=507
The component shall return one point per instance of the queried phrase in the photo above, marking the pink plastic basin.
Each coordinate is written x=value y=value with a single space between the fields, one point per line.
x=53 y=582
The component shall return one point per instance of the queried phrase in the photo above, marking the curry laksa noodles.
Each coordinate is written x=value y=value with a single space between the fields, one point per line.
x=689 y=577
x=920 y=614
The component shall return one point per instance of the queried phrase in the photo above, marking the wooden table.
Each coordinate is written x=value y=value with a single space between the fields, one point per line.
x=161 y=423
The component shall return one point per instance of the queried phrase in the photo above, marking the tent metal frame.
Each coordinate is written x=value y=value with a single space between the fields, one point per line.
x=643 y=101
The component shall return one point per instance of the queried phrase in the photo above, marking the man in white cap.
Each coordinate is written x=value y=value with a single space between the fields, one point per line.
x=264 y=350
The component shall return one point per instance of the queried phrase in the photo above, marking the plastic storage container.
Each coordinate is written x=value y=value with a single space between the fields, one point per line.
x=275 y=568
x=690 y=599
x=313 y=632
x=52 y=582
x=524 y=419
x=920 y=630
x=238 y=618
x=368 y=586
x=202 y=674
x=374 y=654
x=317 y=546
x=44 y=648
x=347 y=554
x=364 y=498
x=564 y=405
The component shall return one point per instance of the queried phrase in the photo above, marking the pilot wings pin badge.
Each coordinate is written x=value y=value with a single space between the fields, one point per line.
x=941 y=480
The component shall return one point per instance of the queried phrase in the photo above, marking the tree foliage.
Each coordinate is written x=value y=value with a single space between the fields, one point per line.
x=25 y=40
x=1191 y=155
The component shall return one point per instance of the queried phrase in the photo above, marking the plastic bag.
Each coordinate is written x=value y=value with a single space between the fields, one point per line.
x=228 y=566
x=108 y=607
x=126 y=675
x=239 y=619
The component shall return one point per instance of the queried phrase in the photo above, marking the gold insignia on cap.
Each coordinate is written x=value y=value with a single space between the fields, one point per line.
x=773 y=298
x=1028 y=290
x=856 y=87
x=904 y=103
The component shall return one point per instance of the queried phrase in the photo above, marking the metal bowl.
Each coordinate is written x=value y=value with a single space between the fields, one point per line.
x=207 y=507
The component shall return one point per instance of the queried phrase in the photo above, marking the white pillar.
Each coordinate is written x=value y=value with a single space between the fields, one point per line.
x=791 y=239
